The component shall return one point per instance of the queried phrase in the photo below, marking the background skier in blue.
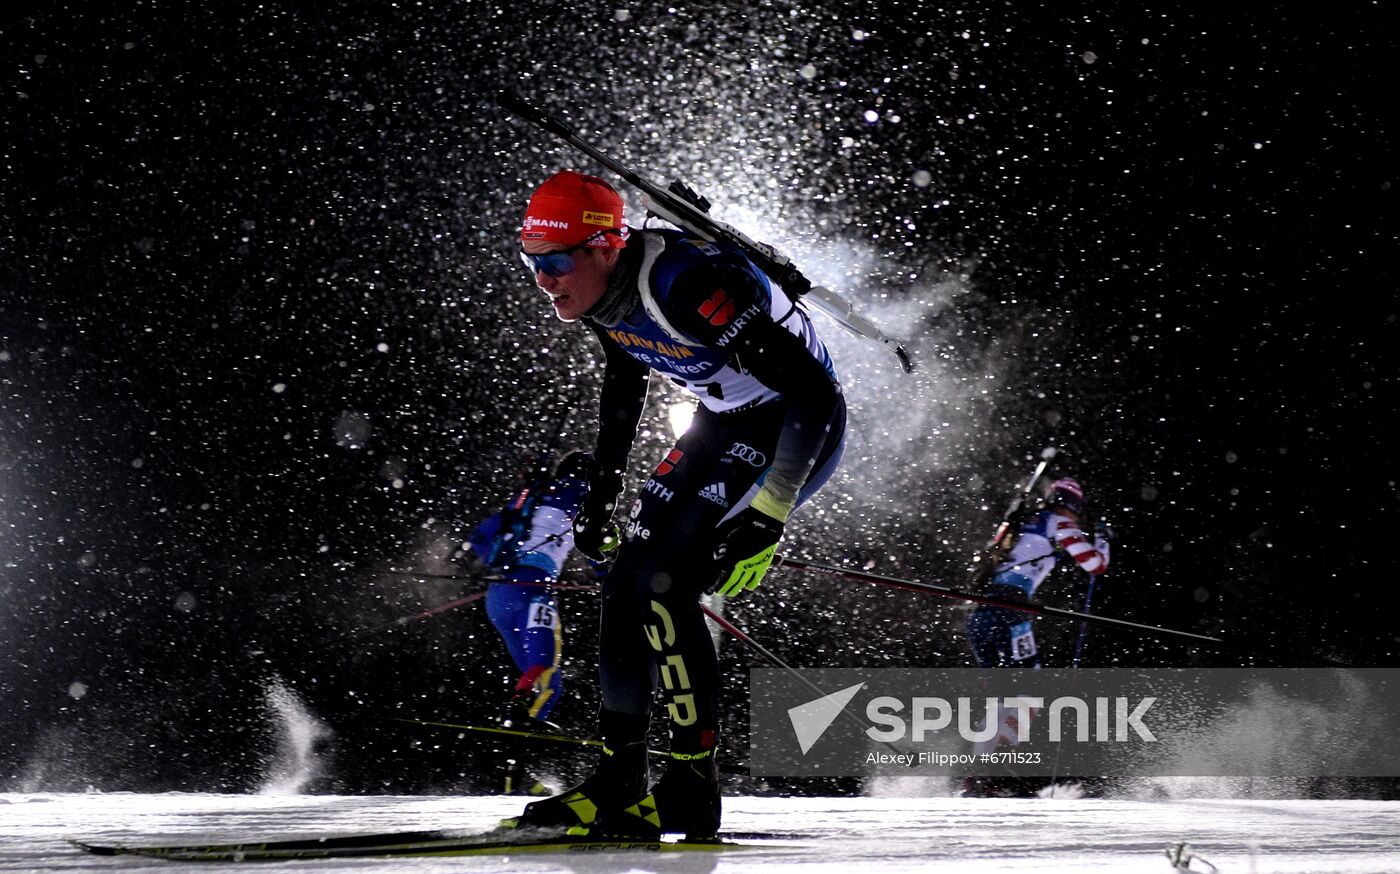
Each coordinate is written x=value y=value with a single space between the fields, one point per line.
x=768 y=433
x=526 y=544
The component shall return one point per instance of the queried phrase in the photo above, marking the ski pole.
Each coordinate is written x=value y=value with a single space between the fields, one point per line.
x=472 y=578
x=541 y=736
x=1104 y=534
x=1084 y=626
x=791 y=671
x=462 y=602
x=1038 y=609
x=1074 y=665
x=513 y=732
x=992 y=600
x=760 y=649
x=404 y=620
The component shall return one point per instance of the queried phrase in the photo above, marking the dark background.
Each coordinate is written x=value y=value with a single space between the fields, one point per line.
x=263 y=342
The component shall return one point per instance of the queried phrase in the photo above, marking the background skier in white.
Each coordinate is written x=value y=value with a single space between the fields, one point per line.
x=1005 y=638
x=1002 y=637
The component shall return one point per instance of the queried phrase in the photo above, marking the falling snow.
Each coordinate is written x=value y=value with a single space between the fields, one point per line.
x=267 y=354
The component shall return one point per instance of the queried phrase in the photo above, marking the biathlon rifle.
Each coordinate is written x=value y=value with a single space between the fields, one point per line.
x=687 y=210
x=997 y=546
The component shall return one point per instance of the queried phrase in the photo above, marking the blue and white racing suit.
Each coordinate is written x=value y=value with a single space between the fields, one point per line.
x=527 y=544
x=1002 y=637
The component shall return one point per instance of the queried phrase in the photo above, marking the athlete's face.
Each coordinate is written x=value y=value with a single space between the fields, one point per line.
x=576 y=291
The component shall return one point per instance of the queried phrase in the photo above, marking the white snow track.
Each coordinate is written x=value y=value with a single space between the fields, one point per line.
x=868 y=835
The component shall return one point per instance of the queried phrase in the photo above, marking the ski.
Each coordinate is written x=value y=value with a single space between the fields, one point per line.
x=525 y=734
x=419 y=844
x=546 y=737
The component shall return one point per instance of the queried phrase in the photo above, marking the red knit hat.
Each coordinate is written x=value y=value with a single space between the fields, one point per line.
x=570 y=207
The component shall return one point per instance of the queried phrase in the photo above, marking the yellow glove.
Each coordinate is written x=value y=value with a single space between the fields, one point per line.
x=747 y=542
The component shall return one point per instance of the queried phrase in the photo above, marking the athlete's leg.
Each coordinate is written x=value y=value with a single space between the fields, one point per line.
x=1002 y=637
x=668 y=563
x=543 y=638
x=628 y=661
x=507 y=604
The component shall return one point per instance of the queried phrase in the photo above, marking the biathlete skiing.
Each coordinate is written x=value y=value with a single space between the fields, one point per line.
x=768 y=433
x=523 y=548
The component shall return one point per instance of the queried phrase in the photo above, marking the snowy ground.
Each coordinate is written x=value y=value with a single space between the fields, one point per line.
x=838 y=834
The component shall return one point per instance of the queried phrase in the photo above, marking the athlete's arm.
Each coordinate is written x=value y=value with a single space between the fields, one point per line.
x=620 y=405
x=483 y=538
x=1073 y=541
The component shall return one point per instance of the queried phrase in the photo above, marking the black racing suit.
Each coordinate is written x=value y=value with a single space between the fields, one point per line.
x=772 y=416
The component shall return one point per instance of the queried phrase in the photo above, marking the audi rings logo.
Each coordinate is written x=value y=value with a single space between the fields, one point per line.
x=744 y=452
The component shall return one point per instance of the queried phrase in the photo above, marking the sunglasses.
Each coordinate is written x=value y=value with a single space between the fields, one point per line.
x=561 y=262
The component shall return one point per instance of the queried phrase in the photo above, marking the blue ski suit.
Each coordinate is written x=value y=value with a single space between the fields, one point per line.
x=527 y=544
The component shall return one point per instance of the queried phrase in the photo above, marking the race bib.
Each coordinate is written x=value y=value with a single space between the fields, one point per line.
x=1022 y=641
x=542 y=616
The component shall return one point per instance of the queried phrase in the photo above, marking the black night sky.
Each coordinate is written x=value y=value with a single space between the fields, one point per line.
x=263 y=340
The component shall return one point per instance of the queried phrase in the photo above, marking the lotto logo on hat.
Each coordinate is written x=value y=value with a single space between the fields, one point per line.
x=570 y=207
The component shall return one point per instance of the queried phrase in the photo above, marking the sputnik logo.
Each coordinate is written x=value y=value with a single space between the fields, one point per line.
x=811 y=720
